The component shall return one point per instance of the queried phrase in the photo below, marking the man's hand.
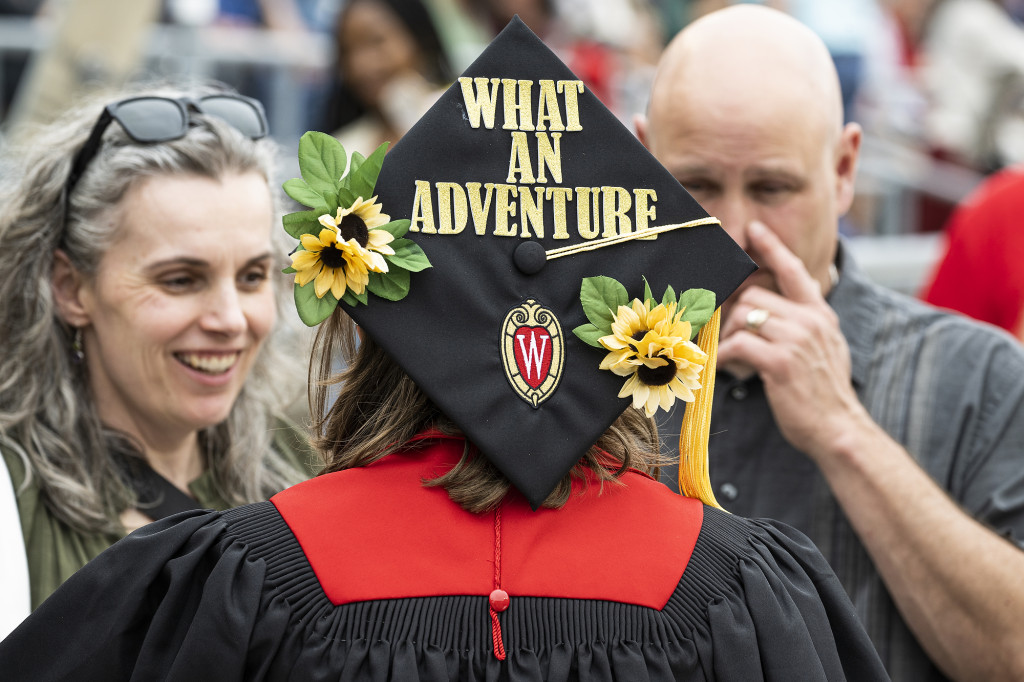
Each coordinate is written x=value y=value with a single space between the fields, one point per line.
x=799 y=351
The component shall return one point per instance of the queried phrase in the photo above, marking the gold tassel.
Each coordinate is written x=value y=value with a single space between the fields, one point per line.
x=694 y=480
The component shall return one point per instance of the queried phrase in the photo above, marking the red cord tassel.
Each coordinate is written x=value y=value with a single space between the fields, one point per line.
x=498 y=598
x=499 y=646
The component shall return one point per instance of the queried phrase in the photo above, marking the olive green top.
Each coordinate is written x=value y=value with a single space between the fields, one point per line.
x=55 y=551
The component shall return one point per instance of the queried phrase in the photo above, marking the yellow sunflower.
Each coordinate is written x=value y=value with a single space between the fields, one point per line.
x=346 y=251
x=652 y=347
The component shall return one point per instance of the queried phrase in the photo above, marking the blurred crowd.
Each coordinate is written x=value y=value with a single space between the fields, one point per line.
x=942 y=78
x=937 y=85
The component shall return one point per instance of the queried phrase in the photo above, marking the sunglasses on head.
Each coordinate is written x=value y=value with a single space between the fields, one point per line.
x=162 y=119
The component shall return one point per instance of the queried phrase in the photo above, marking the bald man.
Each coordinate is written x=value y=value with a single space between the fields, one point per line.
x=890 y=433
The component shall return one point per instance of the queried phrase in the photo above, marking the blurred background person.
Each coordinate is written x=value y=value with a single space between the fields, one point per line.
x=980 y=272
x=611 y=45
x=888 y=431
x=139 y=374
x=390 y=68
x=973 y=71
x=890 y=102
x=12 y=66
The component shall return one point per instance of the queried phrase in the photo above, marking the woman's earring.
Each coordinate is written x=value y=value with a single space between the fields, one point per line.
x=77 y=351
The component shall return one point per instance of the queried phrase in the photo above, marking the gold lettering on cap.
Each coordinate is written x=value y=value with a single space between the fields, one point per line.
x=602 y=213
x=549 y=156
x=451 y=202
x=549 y=114
x=504 y=208
x=531 y=212
x=572 y=108
x=642 y=213
x=521 y=104
x=484 y=100
x=558 y=197
x=583 y=205
x=599 y=210
x=422 y=209
x=519 y=160
x=616 y=202
x=479 y=210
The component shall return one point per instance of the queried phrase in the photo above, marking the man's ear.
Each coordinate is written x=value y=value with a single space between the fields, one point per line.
x=640 y=123
x=846 y=165
x=67 y=284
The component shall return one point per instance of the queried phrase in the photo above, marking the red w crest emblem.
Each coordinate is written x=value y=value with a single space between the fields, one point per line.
x=532 y=351
x=533 y=354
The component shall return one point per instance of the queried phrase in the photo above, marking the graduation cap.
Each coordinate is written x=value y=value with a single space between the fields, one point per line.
x=527 y=263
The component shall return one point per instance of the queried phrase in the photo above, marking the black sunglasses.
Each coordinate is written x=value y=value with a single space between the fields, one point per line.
x=162 y=119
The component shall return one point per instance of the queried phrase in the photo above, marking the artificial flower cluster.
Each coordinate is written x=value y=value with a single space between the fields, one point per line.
x=649 y=342
x=347 y=246
x=346 y=250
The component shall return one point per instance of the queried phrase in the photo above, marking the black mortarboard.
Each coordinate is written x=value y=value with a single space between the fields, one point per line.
x=526 y=195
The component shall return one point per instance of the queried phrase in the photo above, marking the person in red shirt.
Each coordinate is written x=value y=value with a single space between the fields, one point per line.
x=980 y=274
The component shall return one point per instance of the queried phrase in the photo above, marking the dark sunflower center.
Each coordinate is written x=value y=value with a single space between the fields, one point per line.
x=332 y=257
x=658 y=376
x=352 y=226
x=639 y=336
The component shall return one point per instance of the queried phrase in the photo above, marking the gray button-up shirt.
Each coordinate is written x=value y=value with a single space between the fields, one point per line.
x=950 y=390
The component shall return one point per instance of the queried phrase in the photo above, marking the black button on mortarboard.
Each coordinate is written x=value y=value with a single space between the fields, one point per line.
x=530 y=258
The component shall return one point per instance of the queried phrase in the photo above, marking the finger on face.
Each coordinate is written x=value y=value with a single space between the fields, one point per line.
x=746 y=349
x=772 y=328
x=792 y=277
x=778 y=307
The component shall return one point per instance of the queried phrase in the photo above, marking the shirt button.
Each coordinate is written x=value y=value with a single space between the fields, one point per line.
x=729 y=491
x=739 y=392
x=499 y=600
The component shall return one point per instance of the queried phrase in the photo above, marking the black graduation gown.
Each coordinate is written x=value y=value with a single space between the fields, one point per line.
x=367 y=574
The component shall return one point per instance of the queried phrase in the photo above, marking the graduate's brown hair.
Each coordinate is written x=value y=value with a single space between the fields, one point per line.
x=378 y=409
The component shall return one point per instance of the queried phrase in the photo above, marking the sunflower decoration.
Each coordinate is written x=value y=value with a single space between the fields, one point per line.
x=649 y=342
x=346 y=250
x=347 y=246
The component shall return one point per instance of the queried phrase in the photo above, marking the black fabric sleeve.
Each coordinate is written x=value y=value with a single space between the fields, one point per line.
x=777 y=612
x=146 y=600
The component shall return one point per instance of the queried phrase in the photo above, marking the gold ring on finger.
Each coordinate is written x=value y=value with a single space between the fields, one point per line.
x=756 y=319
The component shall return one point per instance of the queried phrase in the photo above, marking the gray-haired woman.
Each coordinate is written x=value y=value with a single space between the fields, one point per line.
x=139 y=376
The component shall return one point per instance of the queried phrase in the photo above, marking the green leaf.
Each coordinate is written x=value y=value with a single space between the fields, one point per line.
x=361 y=297
x=322 y=160
x=303 y=222
x=700 y=305
x=408 y=255
x=289 y=270
x=397 y=228
x=345 y=198
x=601 y=298
x=393 y=286
x=313 y=310
x=354 y=164
x=349 y=298
x=669 y=297
x=297 y=189
x=589 y=334
x=648 y=296
x=362 y=180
